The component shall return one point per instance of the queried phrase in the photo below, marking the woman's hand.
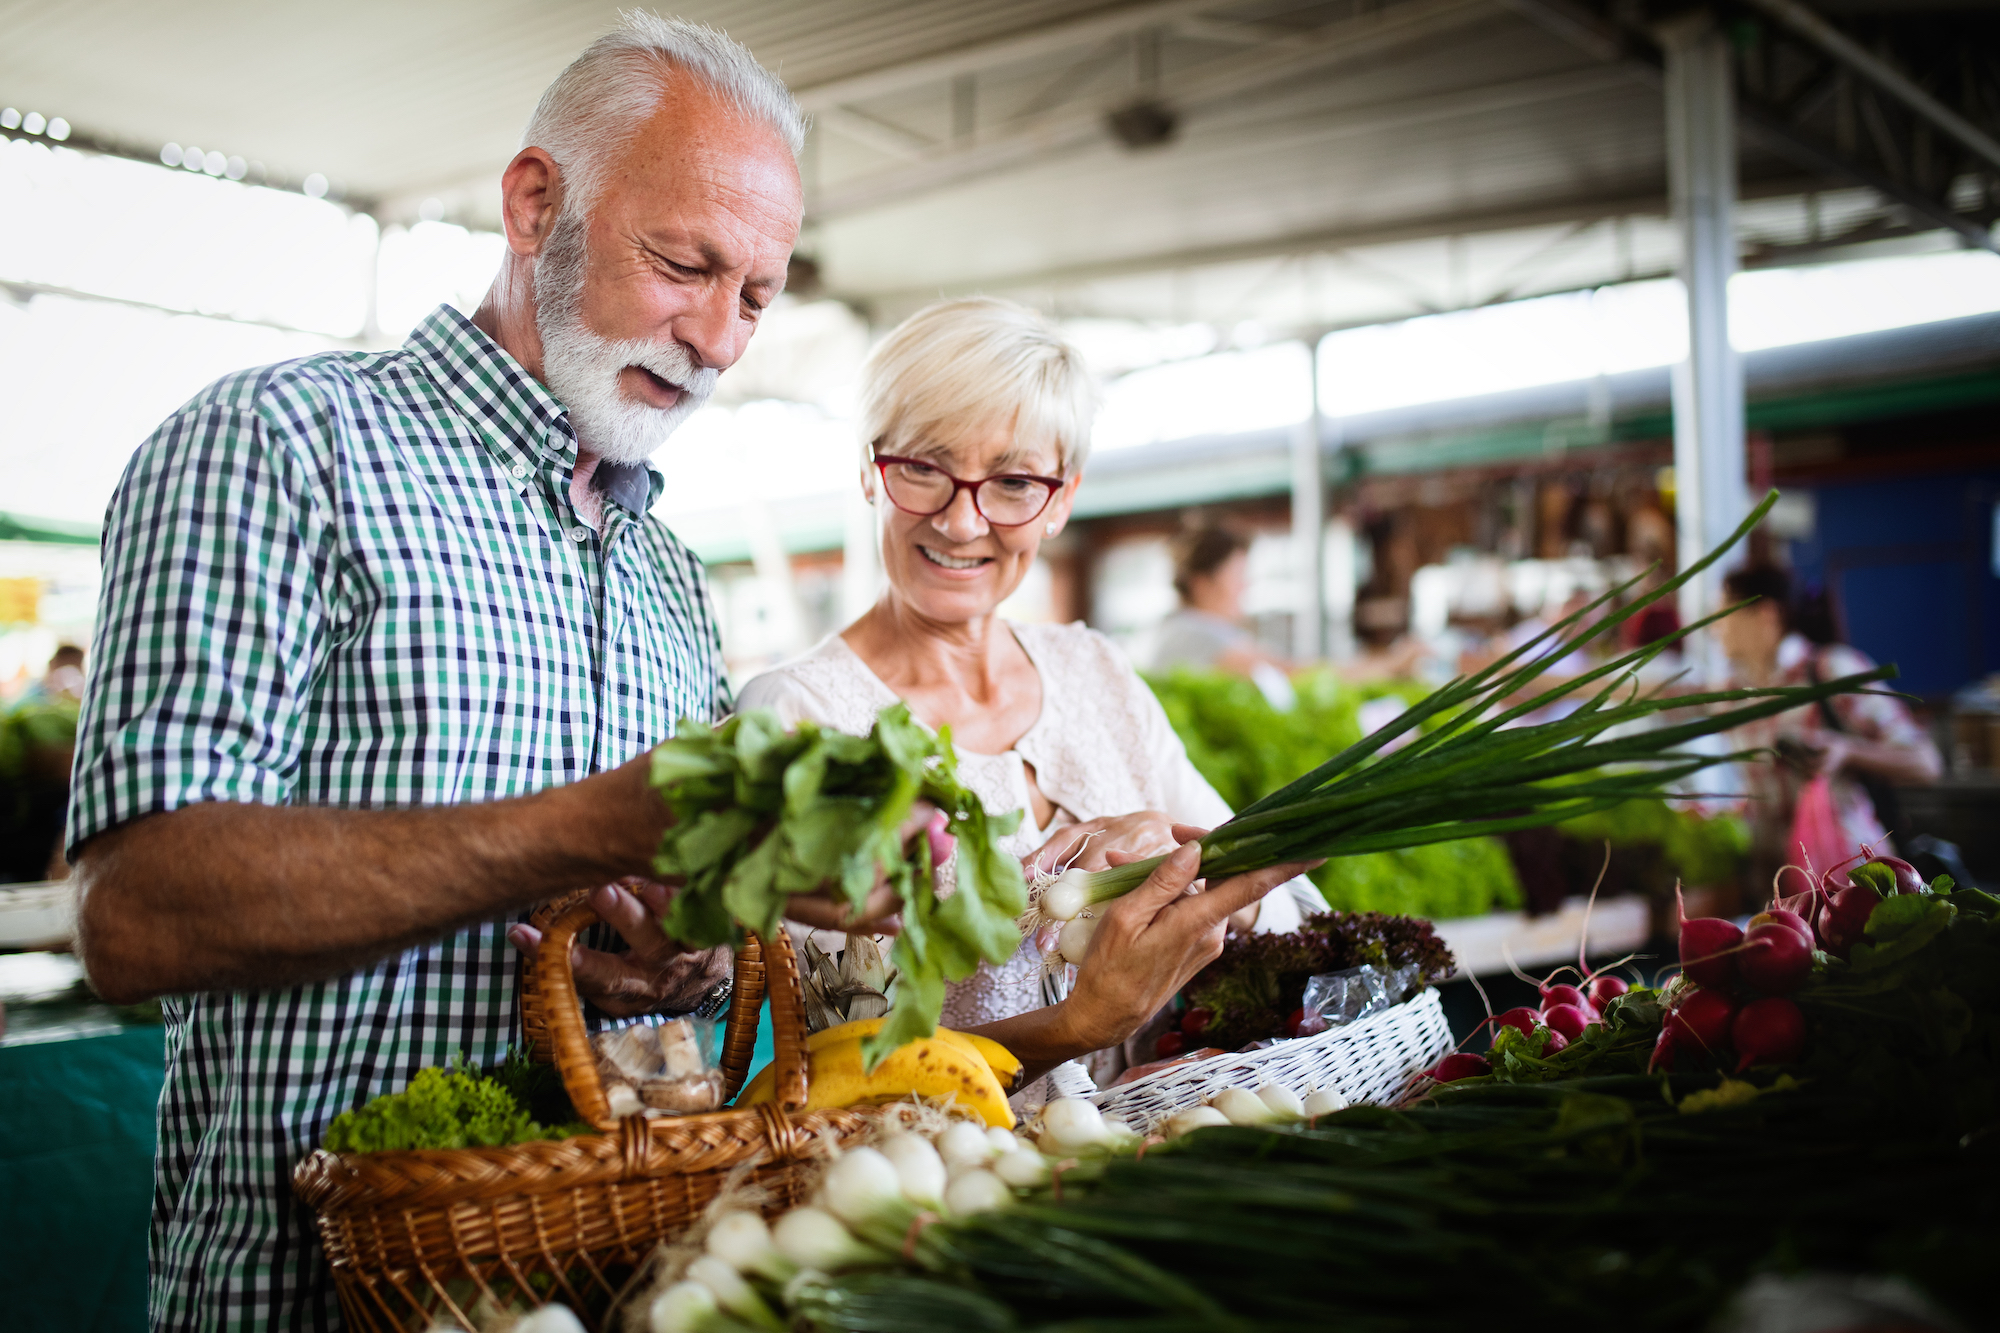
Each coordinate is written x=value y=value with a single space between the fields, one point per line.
x=1091 y=844
x=655 y=975
x=1152 y=941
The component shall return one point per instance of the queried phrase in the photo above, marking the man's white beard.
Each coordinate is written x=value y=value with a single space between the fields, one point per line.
x=581 y=368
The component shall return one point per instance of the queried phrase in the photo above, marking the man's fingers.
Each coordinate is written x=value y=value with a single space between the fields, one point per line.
x=655 y=898
x=525 y=938
x=626 y=914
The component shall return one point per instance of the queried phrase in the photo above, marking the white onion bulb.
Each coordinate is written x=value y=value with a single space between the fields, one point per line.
x=977 y=1192
x=1282 y=1101
x=1195 y=1117
x=861 y=1186
x=1063 y=899
x=1072 y=1125
x=1242 y=1106
x=685 y=1307
x=964 y=1143
x=1324 y=1102
x=919 y=1170
x=1024 y=1168
x=1073 y=942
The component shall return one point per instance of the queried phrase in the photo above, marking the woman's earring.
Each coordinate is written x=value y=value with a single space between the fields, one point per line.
x=1050 y=529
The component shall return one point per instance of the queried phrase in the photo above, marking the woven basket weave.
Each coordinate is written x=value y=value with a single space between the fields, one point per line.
x=1366 y=1061
x=417 y=1239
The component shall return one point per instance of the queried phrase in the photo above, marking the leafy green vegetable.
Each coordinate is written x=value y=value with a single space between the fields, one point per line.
x=442 y=1108
x=1247 y=749
x=761 y=813
x=1699 y=850
x=1480 y=768
x=1438 y=880
x=1258 y=980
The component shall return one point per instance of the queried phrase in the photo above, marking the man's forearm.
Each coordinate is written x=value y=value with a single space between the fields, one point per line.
x=230 y=896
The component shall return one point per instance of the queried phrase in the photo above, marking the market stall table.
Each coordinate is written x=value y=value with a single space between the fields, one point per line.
x=79 y=1084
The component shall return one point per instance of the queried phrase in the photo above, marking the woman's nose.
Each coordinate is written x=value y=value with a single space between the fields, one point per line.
x=959 y=521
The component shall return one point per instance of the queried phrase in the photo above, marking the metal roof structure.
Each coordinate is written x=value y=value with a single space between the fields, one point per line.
x=1302 y=164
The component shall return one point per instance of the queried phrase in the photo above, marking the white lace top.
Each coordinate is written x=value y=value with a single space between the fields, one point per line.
x=1102 y=746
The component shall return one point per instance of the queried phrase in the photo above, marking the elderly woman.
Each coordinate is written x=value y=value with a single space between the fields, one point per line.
x=976 y=418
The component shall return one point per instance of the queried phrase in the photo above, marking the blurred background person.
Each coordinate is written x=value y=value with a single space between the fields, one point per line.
x=1208 y=631
x=37 y=743
x=1865 y=745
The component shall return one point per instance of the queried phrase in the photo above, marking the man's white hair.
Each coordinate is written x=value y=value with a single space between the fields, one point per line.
x=960 y=367
x=609 y=91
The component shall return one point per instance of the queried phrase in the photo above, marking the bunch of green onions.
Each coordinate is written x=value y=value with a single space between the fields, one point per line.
x=1472 y=773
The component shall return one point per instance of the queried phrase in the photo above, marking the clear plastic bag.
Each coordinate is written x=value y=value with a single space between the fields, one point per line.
x=668 y=1069
x=1336 y=998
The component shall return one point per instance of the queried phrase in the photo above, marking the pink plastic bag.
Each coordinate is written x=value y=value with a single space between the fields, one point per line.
x=1817 y=841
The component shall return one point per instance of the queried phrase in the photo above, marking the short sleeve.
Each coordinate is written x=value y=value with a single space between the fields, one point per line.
x=209 y=623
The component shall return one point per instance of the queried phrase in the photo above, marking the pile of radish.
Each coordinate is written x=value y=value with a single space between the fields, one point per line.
x=1565 y=1013
x=1732 y=996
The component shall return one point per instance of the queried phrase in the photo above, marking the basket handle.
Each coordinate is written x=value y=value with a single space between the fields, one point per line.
x=549 y=986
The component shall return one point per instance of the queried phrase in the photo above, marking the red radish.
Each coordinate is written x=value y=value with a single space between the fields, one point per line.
x=1458 y=1065
x=1169 y=1045
x=1779 y=916
x=1196 y=1020
x=1553 y=1041
x=1604 y=988
x=1706 y=942
x=1570 y=995
x=1843 y=917
x=1906 y=876
x=1770 y=1031
x=1566 y=1020
x=1522 y=1020
x=1663 y=1050
x=1701 y=1020
x=1775 y=959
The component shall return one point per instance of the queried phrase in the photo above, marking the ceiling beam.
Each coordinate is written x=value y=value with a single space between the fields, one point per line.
x=1884 y=75
x=977 y=56
x=1759 y=121
x=1367 y=36
x=1577 y=210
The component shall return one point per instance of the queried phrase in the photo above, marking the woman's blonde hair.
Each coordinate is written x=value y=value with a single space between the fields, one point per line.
x=962 y=366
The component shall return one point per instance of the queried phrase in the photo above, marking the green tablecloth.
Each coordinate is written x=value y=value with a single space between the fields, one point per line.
x=76 y=1180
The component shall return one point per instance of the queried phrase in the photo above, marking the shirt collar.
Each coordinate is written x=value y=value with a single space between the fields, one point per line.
x=518 y=418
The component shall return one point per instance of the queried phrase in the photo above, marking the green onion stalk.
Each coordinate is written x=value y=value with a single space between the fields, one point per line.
x=1474 y=772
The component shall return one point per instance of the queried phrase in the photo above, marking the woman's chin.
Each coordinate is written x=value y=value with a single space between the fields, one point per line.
x=955 y=601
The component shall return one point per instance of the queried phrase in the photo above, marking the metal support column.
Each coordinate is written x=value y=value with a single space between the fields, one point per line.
x=1308 y=526
x=1710 y=497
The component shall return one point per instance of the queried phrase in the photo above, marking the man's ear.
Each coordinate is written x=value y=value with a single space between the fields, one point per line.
x=530 y=200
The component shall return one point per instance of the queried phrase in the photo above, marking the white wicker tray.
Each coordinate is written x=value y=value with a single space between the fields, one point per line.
x=1367 y=1061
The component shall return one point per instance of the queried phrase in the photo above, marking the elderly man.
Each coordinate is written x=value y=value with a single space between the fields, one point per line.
x=384 y=639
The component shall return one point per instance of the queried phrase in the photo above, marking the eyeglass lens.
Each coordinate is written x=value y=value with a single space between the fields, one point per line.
x=920 y=489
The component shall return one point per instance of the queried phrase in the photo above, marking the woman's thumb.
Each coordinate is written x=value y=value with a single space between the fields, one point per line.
x=1171 y=877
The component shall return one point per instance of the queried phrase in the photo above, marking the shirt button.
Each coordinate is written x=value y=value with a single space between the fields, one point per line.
x=579 y=534
x=520 y=471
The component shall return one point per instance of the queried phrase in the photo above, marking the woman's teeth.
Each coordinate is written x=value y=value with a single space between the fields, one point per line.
x=951 y=561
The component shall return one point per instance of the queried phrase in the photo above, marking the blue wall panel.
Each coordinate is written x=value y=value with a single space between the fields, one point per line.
x=1909 y=561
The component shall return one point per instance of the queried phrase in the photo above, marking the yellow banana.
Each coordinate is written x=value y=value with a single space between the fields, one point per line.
x=929 y=1067
x=1006 y=1066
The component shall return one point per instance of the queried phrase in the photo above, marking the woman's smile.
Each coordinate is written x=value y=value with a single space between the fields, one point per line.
x=956 y=563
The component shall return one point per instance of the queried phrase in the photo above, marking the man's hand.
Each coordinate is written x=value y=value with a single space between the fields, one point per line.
x=655 y=974
x=829 y=909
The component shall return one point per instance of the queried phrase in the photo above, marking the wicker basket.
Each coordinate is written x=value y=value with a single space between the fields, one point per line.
x=1367 y=1061
x=417 y=1239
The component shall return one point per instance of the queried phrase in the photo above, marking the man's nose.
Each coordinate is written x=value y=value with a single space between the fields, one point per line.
x=711 y=329
x=960 y=521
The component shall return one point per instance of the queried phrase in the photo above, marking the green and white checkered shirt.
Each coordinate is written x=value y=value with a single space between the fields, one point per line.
x=356 y=580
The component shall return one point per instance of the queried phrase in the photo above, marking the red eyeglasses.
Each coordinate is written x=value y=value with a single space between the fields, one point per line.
x=1005 y=501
